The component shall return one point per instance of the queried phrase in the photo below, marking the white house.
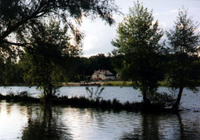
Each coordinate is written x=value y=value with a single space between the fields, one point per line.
x=102 y=75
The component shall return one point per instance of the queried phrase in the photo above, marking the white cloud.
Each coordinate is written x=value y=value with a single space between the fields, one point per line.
x=197 y=30
x=118 y=18
x=162 y=25
x=168 y=12
x=89 y=42
x=174 y=11
x=89 y=54
x=98 y=34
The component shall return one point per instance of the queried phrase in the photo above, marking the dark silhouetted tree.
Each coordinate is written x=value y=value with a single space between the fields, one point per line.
x=184 y=67
x=17 y=17
x=47 y=61
x=139 y=50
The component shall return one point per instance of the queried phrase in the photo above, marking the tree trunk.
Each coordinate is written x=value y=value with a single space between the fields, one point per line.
x=145 y=100
x=48 y=91
x=49 y=95
x=45 y=94
x=176 y=105
x=144 y=97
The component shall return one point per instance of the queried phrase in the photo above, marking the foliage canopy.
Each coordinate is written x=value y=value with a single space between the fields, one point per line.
x=138 y=45
x=184 y=63
x=48 y=60
x=18 y=17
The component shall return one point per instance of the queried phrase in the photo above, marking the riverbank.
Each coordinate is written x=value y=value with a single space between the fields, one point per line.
x=101 y=83
x=83 y=102
x=107 y=83
x=97 y=83
x=82 y=83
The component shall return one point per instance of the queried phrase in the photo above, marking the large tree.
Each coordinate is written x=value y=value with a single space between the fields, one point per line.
x=22 y=27
x=47 y=61
x=139 y=50
x=183 y=69
x=17 y=17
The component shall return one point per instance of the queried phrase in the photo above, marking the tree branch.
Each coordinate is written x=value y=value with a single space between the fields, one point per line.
x=14 y=43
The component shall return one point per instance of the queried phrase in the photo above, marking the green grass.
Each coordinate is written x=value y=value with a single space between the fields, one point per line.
x=117 y=83
x=129 y=83
x=163 y=84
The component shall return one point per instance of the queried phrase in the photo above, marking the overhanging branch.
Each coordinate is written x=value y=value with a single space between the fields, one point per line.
x=16 y=44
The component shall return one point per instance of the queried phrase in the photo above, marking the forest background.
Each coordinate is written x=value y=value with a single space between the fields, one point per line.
x=83 y=68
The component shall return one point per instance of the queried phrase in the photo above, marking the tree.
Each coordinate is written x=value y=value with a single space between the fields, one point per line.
x=184 y=67
x=43 y=123
x=46 y=61
x=139 y=49
x=10 y=72
x=2 y=66
x=18 y=17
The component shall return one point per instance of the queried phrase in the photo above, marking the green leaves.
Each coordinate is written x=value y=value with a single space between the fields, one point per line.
x=183 y=38
x=184 y=45
x=18 y=17
x=47 y=61
x=184 y=63
x=138 y=45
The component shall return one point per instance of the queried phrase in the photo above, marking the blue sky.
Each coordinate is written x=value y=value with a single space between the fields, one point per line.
x=98 y=34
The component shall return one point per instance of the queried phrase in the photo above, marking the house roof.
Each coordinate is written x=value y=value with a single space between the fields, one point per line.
x=103 y=72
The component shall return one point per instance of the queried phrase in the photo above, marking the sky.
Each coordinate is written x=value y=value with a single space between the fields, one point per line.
x=98 y=34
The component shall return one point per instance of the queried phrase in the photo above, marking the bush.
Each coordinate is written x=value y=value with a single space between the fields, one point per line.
x=162 y=100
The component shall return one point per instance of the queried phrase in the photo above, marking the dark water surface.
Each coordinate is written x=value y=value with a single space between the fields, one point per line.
x=35 y=122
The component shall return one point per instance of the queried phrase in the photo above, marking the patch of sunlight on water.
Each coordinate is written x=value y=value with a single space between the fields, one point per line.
x=87 y=124
x=12 y=120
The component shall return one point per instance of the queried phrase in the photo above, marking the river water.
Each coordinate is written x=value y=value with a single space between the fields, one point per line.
x=36 y=122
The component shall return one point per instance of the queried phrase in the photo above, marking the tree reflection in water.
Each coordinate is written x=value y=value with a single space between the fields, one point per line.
x=45 y=123
x=167 y=126
x=35 y=122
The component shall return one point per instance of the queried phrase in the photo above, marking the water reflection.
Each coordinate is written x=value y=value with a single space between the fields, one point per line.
x=30 y=122
x=12 y=120
x=45 y=123
x=189 y=125
x=179 y=126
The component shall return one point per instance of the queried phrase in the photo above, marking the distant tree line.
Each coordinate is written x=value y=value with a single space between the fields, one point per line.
x=81 y=69
x=85 y=67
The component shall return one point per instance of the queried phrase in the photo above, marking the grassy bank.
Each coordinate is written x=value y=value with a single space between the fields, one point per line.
x=129 y=83
x=83 y=102
x=102 y=83
x=117 y=83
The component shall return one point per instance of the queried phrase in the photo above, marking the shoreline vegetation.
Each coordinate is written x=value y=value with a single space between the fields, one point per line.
x=160 y=101
x=84 y=102
x=91 y=83
x=99 y=83
x=107 y=83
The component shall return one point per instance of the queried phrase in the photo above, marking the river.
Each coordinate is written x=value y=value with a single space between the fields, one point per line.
x=31 y=122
